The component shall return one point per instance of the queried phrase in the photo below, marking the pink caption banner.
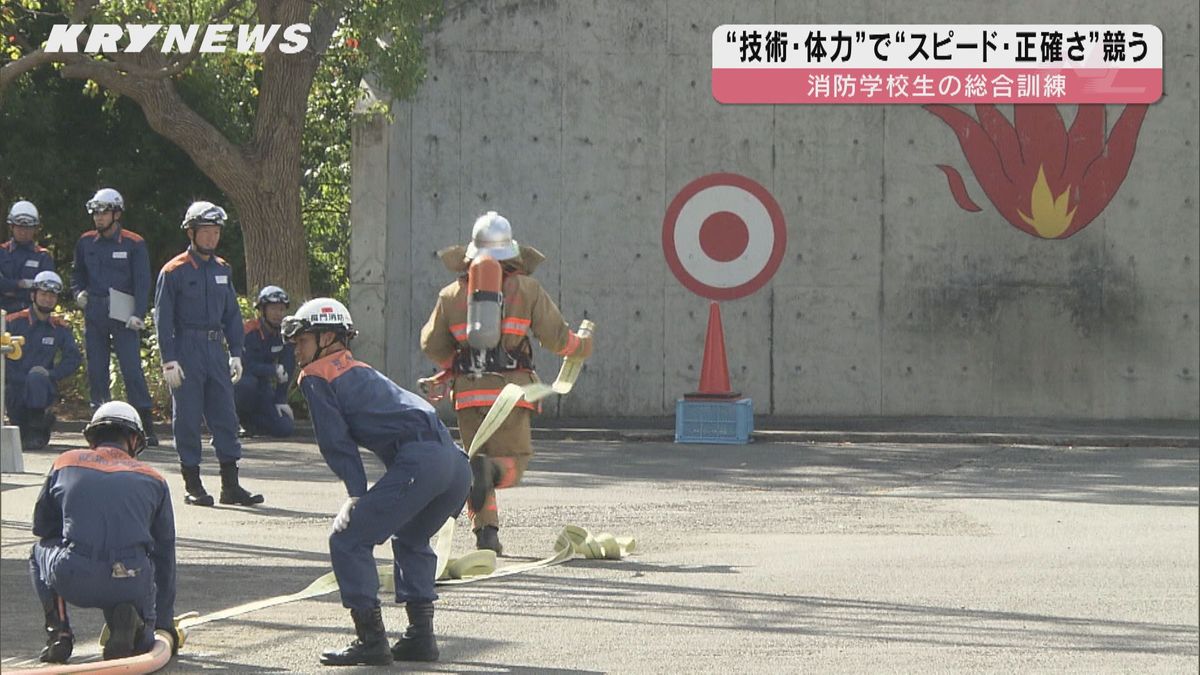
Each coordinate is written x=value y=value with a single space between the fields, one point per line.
x=922 y=64
x=914 y=85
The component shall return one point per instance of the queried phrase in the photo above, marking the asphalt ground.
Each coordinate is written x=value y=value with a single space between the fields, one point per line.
x=769 y=557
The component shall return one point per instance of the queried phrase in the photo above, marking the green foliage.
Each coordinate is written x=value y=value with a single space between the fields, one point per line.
x=88 y=138
x=84 y=143
x=74 y=389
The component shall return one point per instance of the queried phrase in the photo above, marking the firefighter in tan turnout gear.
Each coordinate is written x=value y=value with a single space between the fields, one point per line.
x=479 y=334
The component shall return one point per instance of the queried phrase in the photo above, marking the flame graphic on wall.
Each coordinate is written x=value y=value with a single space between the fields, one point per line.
x=1045 y=180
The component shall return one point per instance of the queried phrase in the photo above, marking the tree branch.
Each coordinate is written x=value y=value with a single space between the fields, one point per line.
x=39 y=57
x=14 y=69
x=169 y=115
x=82 y=9
x=287 y=80
x=162 y=68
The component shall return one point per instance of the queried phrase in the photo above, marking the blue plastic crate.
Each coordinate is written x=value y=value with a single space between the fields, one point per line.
x=699 y=421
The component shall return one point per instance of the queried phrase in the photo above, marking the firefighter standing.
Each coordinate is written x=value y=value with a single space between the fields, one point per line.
x=113 y=258
x=21 y=259
x=32 y=386
x=107 y=539
x=480 y=373
x=426 y=482
x=196 y=316
x=269 y=361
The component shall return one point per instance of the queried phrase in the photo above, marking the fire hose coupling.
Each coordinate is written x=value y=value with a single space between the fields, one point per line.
x=11 y=346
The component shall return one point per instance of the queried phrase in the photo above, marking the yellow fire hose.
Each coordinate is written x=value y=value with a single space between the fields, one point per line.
x=158 y=656
x=572 y=541
x=480 y=563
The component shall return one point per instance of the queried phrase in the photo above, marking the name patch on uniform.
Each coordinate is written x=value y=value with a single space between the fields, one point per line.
x=48 y=341
x=32 y=263
x=277 y=348
x=120 y=255
x=221 y=279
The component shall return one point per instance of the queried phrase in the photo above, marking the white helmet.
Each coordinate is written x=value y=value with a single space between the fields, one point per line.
x=492 y=234
x=271 y=295
x=24 y=214
x=121 y=415
x=319 y=314
x=48 y=281
x=105 y=199
x=203 y=213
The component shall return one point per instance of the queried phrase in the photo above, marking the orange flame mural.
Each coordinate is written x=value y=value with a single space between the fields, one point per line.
x=1045 y=180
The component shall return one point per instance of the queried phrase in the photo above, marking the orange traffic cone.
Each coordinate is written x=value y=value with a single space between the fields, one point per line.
x=714 y=372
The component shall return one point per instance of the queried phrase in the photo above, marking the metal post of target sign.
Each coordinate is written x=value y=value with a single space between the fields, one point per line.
x=11 y=460
x=723 y=237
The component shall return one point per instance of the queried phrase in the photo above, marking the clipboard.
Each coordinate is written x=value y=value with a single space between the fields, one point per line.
x=120 y=305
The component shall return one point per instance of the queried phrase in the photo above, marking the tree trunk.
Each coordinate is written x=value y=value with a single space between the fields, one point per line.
x=275 y=241
x=262 y=178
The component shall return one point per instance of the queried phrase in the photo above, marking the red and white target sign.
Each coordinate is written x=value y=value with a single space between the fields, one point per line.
x=724 y=236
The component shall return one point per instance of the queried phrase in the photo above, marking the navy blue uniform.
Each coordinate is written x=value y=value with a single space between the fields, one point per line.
x=48 y=344
x=17 y=262
x=120 y=262
x=107 y=537
x=259 y=391
x=196 y=314
x=426 y=481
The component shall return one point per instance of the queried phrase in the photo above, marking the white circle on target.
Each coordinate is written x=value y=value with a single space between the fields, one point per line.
x=724 y=236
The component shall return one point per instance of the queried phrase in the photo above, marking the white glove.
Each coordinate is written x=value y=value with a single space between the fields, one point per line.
x=342 y=521
x=235 y=368
x=173 y=374
x=25 y=283
x=81 y=299
x=39 y=370
x=286 y=410
x=135 y=323
x=281 y=373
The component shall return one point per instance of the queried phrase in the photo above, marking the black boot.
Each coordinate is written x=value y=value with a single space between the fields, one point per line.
x=196 y=494
x=488 y=537
x=48 y=422
x=370 y=648
x=60 y=641
x=124 y=631
x=417 y=643
x=35 y=434
x=484 y=474
x=30 y=437
x=147 y=416
x=231 y=491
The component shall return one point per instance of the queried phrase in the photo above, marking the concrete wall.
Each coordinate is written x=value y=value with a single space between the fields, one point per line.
x=580 y=120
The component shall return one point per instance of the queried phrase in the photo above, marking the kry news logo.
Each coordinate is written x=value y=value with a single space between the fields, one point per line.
x=217 y=38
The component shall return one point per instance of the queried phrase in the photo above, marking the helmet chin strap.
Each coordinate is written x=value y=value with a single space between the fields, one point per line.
x=44 y=310
x=108 y=227
x=321 y=350
x=202 y=250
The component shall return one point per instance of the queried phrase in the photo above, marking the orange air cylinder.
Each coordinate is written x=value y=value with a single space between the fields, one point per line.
x=485 y=302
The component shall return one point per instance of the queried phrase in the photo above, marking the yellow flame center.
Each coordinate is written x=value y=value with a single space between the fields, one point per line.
x=1050 y=216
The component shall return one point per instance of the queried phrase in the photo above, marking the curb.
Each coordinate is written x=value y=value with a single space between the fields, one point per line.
x=815 y=436
x=878 y=437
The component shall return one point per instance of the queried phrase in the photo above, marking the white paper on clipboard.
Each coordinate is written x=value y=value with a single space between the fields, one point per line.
x=120 y=305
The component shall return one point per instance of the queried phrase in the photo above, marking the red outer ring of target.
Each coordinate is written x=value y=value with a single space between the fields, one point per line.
x=779 y=246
